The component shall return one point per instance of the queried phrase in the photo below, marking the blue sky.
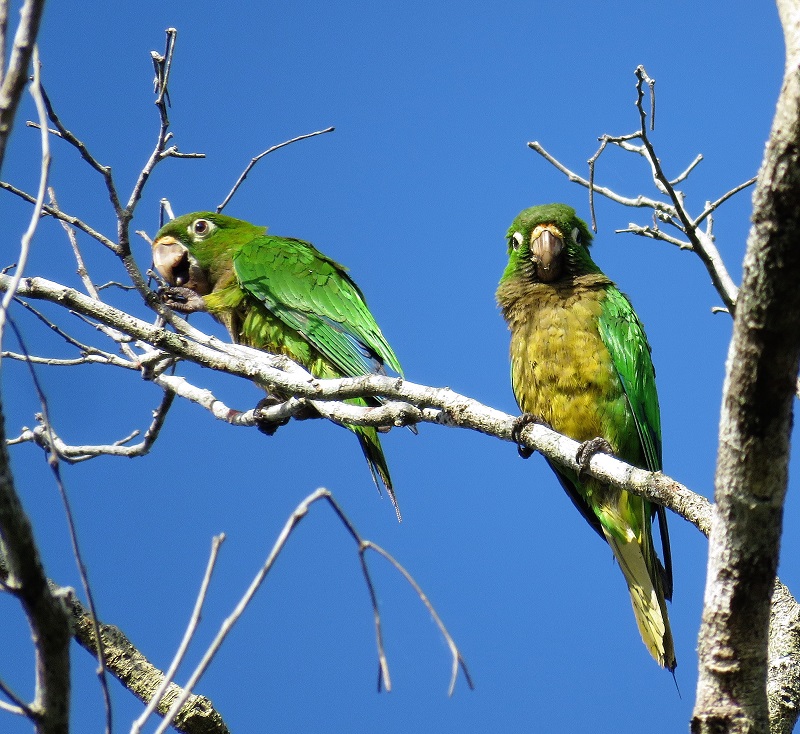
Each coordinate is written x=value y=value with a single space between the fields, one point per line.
x=433 y=105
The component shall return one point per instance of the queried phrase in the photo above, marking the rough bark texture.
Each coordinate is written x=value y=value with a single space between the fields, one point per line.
x=755 y=428
x=13 y=82
x=140 y=677
x=46 y=613
x=783 y=677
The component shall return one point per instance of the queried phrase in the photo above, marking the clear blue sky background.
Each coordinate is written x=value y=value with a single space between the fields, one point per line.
x=433 y=104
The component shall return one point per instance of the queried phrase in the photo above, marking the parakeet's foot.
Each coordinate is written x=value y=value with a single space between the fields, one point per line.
x=519 y=425
x=266 y=426
x=184 y=300
x=588 y=449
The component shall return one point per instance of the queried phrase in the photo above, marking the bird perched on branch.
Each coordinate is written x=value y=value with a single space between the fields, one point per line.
x=580 y=363
x=281 y=295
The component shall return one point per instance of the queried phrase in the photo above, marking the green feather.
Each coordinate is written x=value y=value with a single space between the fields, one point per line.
x=624 y=336
x=314 y=295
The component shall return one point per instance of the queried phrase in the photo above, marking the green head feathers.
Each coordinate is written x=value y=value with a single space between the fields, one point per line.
x=547 y=243
x=194 y=251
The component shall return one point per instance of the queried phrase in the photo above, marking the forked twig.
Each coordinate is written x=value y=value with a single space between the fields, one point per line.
x=299 y=513
x=672 y=212
x=458 y=660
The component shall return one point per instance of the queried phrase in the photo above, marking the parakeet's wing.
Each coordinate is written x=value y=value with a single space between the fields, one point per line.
x=624 y=336
x=314 y=295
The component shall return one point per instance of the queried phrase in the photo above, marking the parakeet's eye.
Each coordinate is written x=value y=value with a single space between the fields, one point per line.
x=576 y=236
x=201 y=227
x=517 y=240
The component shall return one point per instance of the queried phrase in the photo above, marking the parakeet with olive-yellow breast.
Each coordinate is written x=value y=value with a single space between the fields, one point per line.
x=580 y=362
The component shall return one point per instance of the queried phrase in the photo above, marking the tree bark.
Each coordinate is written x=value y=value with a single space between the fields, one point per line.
x=47 y=615
x=755 y=430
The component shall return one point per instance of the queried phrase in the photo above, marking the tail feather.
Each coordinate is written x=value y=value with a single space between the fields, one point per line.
x=373 y=452
x=647 y=595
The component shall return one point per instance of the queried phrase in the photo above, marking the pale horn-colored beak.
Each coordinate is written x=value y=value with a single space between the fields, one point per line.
x=546 y=250
x=177 y=265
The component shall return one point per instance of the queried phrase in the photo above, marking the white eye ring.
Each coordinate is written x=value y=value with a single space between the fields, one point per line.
x=201 y=228
x=576 y=236
x=517 y=237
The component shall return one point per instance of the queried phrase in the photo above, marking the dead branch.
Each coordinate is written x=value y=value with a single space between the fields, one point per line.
x=672 y=212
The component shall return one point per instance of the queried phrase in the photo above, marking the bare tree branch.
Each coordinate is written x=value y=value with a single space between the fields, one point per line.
x=158 y=696
x=405 y=399
x=755 y=431
x=300 y=512
x=45 y=611
x=13 y=80
x=672 y=212
x=140 y=676
x=53 y=463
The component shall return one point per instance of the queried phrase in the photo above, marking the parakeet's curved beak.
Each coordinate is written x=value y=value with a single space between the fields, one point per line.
x=546 y=248
x=177 y=265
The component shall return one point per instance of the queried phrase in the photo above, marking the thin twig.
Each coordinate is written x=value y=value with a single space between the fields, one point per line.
x=36 y=93
x=702 y=245
x=299 y=513
x=84 y=348
x=683 y=176
x=672 y=212
x=80 y=146
x=458 y=660
x=63 y=217
x=19 y=706
x=261 y=155
x=162 y=65
x=46 y=437
x=638 y=202
x=83 y=272
x=194 y=620
x=54 y=465
x=710 y=208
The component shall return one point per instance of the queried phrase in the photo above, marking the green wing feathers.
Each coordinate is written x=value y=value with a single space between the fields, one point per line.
x=313 y=294
x=315 y=298
x=624 y=337
x=649 y=583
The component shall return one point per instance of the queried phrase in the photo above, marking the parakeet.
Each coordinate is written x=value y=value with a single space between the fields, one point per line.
x=580 y=362
x=281 y=295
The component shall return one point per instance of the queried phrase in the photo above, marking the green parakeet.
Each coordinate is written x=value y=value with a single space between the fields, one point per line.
x=281 y=295
x=580 y=362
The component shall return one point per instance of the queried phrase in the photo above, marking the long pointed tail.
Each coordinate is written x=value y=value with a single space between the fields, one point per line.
x=373 y=452
x=647 y=595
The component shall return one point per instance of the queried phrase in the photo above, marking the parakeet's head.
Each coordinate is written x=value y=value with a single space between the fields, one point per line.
x=547 y=243
x=191 y=250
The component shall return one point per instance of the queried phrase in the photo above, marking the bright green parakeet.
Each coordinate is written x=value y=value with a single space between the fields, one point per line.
x=580 y=362
x=281 y=295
